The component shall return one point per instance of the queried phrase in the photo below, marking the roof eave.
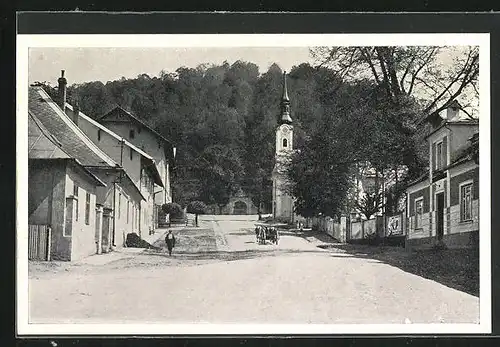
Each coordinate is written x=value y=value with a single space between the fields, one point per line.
x=157 y=134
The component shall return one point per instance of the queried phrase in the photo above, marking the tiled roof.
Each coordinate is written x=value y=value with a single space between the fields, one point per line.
x=71 y=138
x=149 y=159
x=41 y=144
x=122 y=111
x=111 y=133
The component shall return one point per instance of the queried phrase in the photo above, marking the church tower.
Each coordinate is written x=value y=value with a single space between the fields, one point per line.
x=282 y=200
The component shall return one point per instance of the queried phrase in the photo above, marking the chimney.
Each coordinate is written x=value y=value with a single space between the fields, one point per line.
x=62 y=91
x=452 y=111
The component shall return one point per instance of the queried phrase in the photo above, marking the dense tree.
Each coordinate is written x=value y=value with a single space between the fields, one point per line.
x=219 y=170
x=358 y=105
x=196 y=207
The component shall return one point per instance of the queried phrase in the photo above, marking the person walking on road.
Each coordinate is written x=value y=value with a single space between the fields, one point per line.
x=170 y=241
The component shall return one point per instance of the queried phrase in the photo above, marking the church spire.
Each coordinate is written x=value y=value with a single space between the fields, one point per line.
x=285 y=104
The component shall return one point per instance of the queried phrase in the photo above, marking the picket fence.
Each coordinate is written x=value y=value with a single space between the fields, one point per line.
x=39 y=242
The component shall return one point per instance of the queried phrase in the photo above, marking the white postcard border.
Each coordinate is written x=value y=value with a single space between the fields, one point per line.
x=24 y=42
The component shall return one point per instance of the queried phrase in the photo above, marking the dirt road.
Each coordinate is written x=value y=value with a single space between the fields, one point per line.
x=218 y=274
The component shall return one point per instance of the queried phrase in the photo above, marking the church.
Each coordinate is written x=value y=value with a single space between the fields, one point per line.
x=283 y=203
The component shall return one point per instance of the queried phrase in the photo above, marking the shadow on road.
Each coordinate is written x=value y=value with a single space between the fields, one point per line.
x=455 y=268
x=231 y=255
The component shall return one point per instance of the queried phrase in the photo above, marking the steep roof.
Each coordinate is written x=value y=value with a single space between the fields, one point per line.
x=147 y=158
x=118 y=110
x=72 y=139
x=285 y=117
x=44 y=146
x=41 y=143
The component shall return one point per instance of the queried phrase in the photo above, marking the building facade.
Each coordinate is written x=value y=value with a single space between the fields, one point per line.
x=148 y=140
x=101 y=186
x=443 y=205
x=138 y=165
x=283 y=203
x=62 y=191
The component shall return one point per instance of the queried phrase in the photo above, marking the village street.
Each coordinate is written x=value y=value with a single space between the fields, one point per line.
x=218 y=274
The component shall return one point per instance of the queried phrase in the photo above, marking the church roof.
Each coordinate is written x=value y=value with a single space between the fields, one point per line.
x=285 y=90
x=285 y=104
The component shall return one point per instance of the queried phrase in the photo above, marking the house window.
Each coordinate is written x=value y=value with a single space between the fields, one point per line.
x=119 y=205
x=439 y=155
x=75 y=194
x=128 y=207
x=87 y=209
x=419 y=210
x=131 y=153
x=99 y=135
x=285 y=143
x=131 y=133
x=466 y=202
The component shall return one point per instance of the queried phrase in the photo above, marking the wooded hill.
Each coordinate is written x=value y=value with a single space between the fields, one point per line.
x=222 y=119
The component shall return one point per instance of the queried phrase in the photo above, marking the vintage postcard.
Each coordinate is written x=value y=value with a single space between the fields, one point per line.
x=253 y=184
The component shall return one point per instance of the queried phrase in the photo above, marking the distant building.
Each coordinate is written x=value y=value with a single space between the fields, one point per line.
x=239 y=204
x=283 y=203
x=144 y=137
x=162 y=150
x=443 y=204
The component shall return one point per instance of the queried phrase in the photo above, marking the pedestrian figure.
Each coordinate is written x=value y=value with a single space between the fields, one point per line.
x=170 y=241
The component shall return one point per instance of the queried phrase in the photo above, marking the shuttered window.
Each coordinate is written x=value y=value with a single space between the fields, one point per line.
x=419 y=210
x=87 y=209
x=439 y=156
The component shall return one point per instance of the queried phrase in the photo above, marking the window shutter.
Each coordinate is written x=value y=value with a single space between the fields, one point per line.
x=445 y=151
x=433 y=162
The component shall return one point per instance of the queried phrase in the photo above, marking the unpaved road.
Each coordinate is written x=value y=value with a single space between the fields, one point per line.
x=231 y=279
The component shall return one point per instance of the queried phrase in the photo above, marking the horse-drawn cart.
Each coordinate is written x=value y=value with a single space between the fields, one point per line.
x=265 y=232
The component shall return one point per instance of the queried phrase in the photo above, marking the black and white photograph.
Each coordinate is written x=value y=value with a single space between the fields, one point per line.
x=305 y=183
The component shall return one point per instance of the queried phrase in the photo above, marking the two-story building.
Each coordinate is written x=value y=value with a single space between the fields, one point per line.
x=128 y=126
x=137 y=164
x=62 y=191
x=443 y=204
x=87 y=200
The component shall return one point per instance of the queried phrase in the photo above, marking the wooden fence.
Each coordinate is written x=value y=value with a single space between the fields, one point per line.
x=39 y=242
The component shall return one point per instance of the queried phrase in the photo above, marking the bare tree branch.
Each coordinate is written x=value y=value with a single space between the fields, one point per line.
x=368 y=59
x=425 y=63
x=469 y=73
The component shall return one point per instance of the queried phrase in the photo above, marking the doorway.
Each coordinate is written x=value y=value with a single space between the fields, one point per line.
x=240 y=208
x=440 y=216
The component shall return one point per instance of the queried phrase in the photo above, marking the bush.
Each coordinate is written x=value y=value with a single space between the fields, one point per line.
x=134 y=241
x=173 y=209
x=196 y=207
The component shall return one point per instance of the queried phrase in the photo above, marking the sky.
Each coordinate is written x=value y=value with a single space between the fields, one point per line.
x=108 y=64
